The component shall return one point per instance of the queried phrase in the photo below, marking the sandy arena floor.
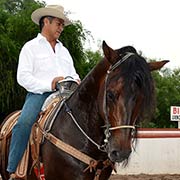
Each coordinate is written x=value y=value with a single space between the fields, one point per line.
x=146 y=177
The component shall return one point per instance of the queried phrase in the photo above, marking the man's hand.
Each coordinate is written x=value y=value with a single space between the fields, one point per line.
x=55 y=80
x=78 y=81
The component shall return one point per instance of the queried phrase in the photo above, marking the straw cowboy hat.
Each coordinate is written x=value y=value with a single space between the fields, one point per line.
x=50 y=10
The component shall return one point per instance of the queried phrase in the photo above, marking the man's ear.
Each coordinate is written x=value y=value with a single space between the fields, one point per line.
x=46 y=21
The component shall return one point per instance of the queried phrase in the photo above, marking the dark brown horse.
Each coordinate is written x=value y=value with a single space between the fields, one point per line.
x=100 y=117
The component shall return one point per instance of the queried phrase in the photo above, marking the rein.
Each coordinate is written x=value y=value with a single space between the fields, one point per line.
x=107 y=126
x=100 y=147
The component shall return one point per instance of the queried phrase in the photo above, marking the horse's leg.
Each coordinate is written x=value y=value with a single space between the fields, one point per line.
x=106 y=173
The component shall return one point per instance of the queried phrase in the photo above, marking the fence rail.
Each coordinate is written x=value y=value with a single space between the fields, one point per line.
x=157 y=152
x=158 y=133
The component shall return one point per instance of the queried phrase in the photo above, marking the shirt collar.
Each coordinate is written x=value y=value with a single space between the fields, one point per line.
x=40 y=37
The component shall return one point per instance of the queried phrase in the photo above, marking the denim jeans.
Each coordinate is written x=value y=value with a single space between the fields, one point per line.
x=22 y=129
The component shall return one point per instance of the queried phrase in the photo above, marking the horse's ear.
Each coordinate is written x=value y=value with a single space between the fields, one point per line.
x=157 y=65
x=109 y=53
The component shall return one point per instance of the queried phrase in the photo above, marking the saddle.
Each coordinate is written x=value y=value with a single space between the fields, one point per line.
x=49 y=110
x=45 y=121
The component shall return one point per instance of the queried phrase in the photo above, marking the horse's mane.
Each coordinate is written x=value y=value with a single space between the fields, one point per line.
x=136 y=73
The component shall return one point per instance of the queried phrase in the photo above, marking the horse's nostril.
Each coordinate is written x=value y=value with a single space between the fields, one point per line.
x=119 y=156
x=115 y=153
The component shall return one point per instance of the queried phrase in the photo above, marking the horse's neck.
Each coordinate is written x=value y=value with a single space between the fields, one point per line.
x=93 y=81
x=87 y=93
x=92 y=84
x=84 y=101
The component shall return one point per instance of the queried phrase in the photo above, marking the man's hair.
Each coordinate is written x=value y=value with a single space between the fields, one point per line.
x=41 y=21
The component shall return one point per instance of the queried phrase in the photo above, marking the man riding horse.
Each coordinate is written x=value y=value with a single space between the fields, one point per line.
x=43 y=62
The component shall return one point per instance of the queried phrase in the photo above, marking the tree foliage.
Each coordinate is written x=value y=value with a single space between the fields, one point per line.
x=92 y=58
x=167 y=94
x=15 y=29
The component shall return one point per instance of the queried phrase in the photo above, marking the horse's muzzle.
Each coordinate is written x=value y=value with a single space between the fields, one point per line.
x=119 y=155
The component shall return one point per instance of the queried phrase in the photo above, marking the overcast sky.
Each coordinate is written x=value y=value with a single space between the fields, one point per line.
x=152 y=26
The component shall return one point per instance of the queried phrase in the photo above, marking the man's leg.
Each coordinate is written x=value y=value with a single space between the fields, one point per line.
x=22 y=129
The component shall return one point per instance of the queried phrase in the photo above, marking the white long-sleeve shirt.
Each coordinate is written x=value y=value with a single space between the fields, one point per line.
x=39 y=65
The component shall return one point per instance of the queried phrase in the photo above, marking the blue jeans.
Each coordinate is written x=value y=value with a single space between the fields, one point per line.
x=22 y=129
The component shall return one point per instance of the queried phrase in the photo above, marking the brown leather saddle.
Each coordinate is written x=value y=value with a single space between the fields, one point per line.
x=45 y=119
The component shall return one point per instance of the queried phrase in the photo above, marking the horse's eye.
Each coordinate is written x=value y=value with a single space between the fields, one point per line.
x=110 y=96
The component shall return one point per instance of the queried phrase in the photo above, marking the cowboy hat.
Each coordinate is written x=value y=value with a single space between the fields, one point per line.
x=50 y=10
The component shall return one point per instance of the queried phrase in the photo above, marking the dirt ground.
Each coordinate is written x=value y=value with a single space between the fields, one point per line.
x=145 y=177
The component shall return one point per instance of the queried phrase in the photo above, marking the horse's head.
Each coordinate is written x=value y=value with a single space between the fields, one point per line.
x=128 y=94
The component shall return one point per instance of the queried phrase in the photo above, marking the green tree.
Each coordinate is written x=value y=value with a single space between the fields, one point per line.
x=92 y=58
x=167 y=94
x=167 y=89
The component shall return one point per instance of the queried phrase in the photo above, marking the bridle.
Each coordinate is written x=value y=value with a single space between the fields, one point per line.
x=107 y=127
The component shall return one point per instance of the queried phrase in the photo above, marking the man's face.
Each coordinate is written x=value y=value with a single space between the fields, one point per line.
x=55 y=27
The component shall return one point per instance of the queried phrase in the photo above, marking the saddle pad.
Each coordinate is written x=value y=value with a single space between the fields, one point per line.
x=6 y=130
